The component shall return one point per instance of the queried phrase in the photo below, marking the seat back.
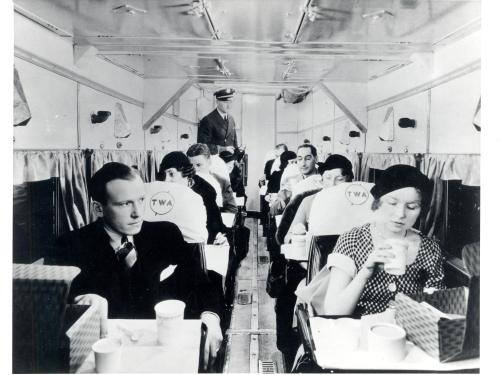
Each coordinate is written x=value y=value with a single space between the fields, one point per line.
x=178 y=204
x=339 y=208
x=319 y=249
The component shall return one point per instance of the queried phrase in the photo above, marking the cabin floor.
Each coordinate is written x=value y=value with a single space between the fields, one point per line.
x=251 y=337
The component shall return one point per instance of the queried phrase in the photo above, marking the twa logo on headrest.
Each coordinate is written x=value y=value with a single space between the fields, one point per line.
x=356 y=194
x=162 y=203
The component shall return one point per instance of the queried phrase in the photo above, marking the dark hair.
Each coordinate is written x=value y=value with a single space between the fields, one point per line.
x=198 y=149
x=177 y=160
x=309 y=146
x=285 y=147
x=285 y=157
x=109 y=172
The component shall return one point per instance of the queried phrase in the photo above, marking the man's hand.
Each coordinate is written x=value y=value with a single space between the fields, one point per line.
x=220 y=239
x=102 y=305
x=230 y=149
x=214 y=339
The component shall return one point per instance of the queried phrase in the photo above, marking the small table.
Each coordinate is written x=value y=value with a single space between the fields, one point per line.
x=145 y=355
x=320 y=344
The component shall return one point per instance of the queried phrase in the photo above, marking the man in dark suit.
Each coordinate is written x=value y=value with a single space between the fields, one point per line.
x=218 y=128
x=121 y=256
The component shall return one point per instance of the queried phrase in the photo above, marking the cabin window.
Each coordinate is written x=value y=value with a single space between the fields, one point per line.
x=37 y=219
x=461 y=217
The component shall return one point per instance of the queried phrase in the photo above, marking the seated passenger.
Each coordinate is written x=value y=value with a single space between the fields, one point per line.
x=353 y=280
x=335 y=170
x=235 y=174
x=199 y=156
x=121 y=256
x=175 y=167
x=306 y=163
x=171 y=199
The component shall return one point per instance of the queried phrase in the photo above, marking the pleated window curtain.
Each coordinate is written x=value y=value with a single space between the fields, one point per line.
x=381 y=162
x=132 y=158
x=440 y=168
x=69 y=167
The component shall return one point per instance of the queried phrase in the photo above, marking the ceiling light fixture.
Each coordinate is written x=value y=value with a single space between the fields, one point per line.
x=221 y=67
x=128 y=9
x=377 y=14
x=198 y=8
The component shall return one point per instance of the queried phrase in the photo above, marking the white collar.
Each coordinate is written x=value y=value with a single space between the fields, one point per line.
x=223 y=115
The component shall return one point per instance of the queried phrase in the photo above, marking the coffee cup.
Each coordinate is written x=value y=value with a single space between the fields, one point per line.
x=387 y=342
x=399 y=248
x=168 y=315
x=107 y=354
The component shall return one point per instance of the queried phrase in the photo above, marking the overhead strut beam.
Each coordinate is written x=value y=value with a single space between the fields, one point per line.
x=167 y=104
x=343 y=108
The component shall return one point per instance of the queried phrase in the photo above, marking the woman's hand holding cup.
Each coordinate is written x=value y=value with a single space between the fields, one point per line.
x=381 y=254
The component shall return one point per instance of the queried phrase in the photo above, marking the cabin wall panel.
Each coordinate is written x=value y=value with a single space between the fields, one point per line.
x=184 y=128
x=43 y=43
x=52 y=100
x=305 y=113
x=258 y=132
x=166 y=139
x=324 y=108
x=342 y=143
x=452 y=108
x=95 y=136
x=411 y=140
x=287 y=116
x=156 y=93
x=353 y=95
x=290 y=139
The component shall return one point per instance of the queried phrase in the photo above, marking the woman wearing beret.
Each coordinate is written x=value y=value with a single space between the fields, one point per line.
x=358 y=283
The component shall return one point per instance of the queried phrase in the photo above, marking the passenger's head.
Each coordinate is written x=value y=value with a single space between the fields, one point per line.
x=306 y=159
x=400 y=194
x=224 y=99
x=287 y=157
x=175 y=167
x=118 y=196
x=335 y=169
x=279 y=149
x=199 y=156
x=228 y=158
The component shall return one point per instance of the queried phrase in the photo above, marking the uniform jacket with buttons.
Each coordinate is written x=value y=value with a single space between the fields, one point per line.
x=215 y=130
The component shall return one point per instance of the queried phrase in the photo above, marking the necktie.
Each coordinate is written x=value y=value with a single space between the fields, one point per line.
x=126 y=253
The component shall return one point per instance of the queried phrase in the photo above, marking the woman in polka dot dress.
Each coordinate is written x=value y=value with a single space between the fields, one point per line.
x=358 y=283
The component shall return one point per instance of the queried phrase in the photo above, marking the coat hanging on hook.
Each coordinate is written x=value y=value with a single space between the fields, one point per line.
x=122 y=127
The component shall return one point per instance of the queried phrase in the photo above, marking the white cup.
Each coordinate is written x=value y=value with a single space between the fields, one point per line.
x=168 y=315
x=397 y=265
x=107 y=353
x=387 y=342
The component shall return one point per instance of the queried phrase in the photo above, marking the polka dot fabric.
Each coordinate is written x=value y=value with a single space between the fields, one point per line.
x=425 y=272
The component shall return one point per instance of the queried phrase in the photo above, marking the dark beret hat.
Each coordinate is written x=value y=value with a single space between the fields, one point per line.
x=402 y=176
x=179 y=161
x=227 y=156
x=224 y=94
x=336 y=161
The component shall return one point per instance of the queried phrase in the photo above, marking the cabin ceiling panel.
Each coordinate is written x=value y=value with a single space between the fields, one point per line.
x=256 y=20
x=387 y=21
x=151 y=18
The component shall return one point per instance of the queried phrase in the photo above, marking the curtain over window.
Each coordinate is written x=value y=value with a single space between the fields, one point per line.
x=440 y=168
x=383 y=161
x=138 y=159
x=69 y=167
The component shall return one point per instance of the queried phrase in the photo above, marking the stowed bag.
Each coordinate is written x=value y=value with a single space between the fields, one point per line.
x=276 y=277
x=442 y=338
